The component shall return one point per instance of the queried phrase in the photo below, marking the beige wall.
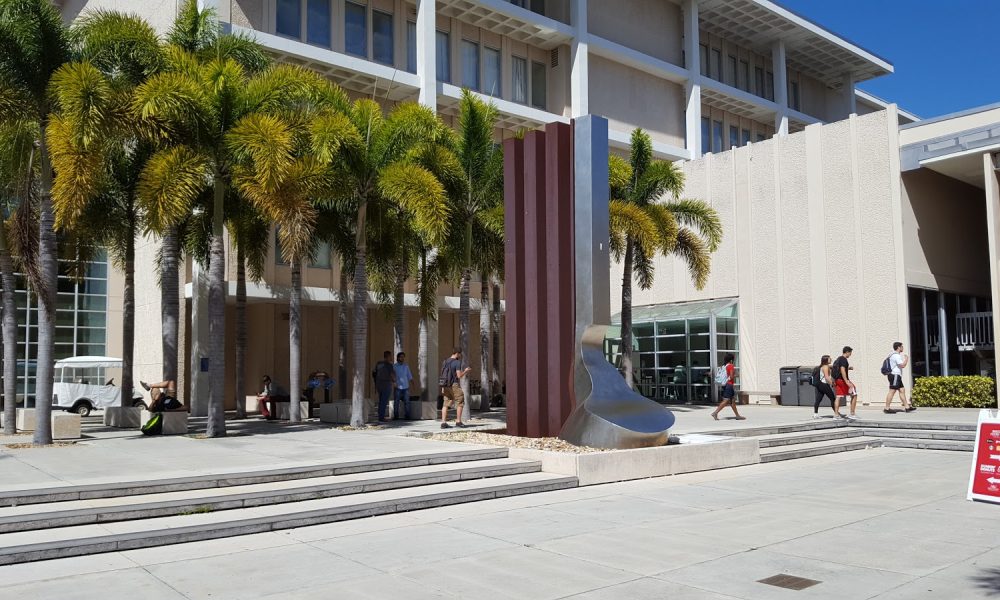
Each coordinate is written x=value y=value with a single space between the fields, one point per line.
x=653 y=27
x=809 y=221
x=944 y=234
x=159 y=13
x=630 y=98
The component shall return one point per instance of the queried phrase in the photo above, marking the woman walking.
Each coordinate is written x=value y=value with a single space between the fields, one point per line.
x=726 y=377
x=822 y=378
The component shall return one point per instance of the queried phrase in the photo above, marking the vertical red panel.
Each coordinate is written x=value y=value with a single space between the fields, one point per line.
x=536 y=335
x=513 y=169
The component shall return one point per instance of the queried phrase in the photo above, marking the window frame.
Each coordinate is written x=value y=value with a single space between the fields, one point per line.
x=534 y=87
x=392 y=36
x=527 y=79
x=467 y=44
x=366 y=25
x=485 y=50
x=438 y=34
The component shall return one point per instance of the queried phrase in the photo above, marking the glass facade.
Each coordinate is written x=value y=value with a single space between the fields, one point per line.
x=355 y=29
x=963 y=322
x=81 y=320
x=676 y=348
x=382 y=38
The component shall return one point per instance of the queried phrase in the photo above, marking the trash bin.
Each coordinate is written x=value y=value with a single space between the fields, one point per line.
x=794 y=387
x=807 y=393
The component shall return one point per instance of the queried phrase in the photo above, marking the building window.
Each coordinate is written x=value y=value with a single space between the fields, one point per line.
x=717 y=64
x=535 y=6
x=443 y=56
x=760 y=137
x=491 y=71
x=731 y=75
x=703 y=59
x=769 y=87
x=744 y=78
x=734 y=136
x=717 y=136
x=382 y=38
x=470 y=65
x=758 y=76
x=318 y=22
x=746 y=137
x=288 y=20
x=706 y=135
x=355 y=29
x=793 y=94
x=519 y=79
x=411 y=46
x=538 y=85
x=321 y=256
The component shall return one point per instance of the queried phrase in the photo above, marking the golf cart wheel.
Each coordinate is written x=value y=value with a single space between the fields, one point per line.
x=137 y=403
x=83 y=409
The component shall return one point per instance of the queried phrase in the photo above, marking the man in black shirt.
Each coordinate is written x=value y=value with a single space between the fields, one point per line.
x=843 y=386
x=451 y=389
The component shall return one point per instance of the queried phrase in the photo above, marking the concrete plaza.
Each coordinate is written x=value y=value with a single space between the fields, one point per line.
x=883 y=523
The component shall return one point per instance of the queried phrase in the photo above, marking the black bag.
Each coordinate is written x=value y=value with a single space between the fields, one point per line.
x=444 y=377
x=886 y=366
x=814 y=377
x=154 y=426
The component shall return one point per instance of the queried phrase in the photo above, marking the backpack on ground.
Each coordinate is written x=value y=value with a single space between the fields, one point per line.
x=154 y=426
x=722 y=376
x=887 y=365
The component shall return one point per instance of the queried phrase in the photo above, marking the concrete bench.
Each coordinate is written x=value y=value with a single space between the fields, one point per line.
x=123 y=417
x=743 y=397
x=175 y=422
x=340 y=412
x=65 y=426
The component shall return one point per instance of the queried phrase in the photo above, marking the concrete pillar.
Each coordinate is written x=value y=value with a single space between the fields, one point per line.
x=780 y=68
x=429 y=342
x=200 y=382
x=692 y=88
x=426 y=53
x=850 y=100
x=943 y=333
x=579 y=81
x=990 y=164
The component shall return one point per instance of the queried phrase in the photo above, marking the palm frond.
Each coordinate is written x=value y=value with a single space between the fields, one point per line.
x=193 y=28
x=329 y=132
x=82 y=96
x=173 y=103
x=666 y=227
x=170 y=185
x=239 y=48
x=660 y=177
x=629 y=221
x=120 y=45
x=700 y=215
x=619 y=176
x=418 y=192
x=641 y=154
x=691 y=248
x=642 y=267
x=265 y=141
x=34 y=43
x=79 y=171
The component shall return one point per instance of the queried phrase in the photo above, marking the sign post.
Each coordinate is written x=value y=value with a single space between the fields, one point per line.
x=984 y=481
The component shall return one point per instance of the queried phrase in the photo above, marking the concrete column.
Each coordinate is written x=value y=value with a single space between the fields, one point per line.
x=779 y=66
x=429 y=342
x=426 y=53
x=579 y=80
x=990 y=164
x=200 y=382
x=850 y=100
x=943 y=333
x=692 y=87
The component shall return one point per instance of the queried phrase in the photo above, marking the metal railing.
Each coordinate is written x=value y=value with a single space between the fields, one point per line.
x=974 y=331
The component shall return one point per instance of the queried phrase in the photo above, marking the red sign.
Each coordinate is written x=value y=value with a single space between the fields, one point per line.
x=985 y=479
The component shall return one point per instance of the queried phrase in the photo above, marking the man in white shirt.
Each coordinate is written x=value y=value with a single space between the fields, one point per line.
x=403 y=379
x=898 y=361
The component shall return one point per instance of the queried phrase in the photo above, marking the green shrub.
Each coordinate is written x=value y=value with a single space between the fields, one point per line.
x=957 y=392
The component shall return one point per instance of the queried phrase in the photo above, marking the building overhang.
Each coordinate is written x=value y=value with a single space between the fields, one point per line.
x=510 y=115
x=623 y=141
x=952 y=145
x=809 y=48
x=876 y=103
x=505 y=18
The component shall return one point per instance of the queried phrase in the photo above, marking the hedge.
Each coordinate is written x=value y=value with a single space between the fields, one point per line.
x=958 y=392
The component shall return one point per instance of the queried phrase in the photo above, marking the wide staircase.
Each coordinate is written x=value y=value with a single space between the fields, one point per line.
x=829 y=436
x=57 y=522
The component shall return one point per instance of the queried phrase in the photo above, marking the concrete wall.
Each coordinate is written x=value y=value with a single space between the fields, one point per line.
x=944 y=234
x=159 y=13
x=630 y=98
x=652 y=27
x=809 y=222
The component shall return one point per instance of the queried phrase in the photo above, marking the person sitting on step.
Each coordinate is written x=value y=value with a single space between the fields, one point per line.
x=163 y=395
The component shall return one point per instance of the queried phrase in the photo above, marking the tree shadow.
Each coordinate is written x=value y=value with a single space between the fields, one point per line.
x=989 y=581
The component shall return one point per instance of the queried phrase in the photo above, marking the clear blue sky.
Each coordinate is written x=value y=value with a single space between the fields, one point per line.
x=945 y=52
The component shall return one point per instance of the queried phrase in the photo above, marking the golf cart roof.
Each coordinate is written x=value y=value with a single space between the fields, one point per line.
x=88 y=362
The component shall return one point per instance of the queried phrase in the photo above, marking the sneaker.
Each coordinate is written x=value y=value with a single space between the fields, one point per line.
x=852 y=417
x=740 y=418
x=888 y=411
x=144 y=385
x=911 y=409
x=817 y=416
x=445 y=426
x=840 y=416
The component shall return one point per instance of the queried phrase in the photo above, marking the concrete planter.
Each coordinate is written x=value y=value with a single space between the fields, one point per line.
x=623 y=465
x=123 y=417
x=340 y=412
x=175 y=422
x=65 y=426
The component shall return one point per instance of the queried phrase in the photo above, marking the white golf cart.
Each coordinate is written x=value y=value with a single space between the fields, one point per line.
x=77 y=388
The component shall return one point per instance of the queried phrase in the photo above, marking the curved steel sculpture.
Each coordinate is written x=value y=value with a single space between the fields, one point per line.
x=608 y=413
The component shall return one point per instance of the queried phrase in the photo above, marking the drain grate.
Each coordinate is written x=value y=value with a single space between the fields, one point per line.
x=789 y=582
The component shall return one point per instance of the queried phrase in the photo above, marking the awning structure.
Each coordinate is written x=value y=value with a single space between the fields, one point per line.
x=89 y=362
x=722 y=307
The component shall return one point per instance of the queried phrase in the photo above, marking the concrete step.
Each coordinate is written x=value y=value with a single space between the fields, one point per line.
x=817 y=448
x=811 y=425
x=924 y=434
x=125 y=508
x=927 y=444
x=27 y=546
x=219 y=480
x=805 y=437
x=911 y=422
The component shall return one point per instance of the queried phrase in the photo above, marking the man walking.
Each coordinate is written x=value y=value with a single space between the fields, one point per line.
x=403 y=379
x=385 y=380
x=451 y=373
x=843 y=386
x=897 y=362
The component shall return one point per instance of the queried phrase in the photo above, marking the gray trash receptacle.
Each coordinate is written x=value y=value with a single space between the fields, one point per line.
x=789 y=385
x=807 y=393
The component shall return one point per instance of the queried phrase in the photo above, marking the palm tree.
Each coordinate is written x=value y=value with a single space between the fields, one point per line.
x=97 y=149
x=250 y=232
x=642 y=226
x=379 y=173
x=34 y=43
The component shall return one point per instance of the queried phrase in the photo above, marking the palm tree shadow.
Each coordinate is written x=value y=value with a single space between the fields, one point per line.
x=989 y=581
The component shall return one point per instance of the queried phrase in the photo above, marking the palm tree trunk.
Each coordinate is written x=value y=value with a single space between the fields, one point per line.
x=360 y=329
x=216 y=426
x=627 y=314
x=463 y=335
x=46 y=292
x=485 y=376
x=495 y=384
x=128 y=321
x=342 y=333
x=398 y=312
x=241 y=332
x=170 y=307
x=424 y=369
x=9 y=337
x=295 y=343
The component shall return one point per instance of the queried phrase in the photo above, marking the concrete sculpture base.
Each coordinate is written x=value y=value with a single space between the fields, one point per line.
x=610 y=414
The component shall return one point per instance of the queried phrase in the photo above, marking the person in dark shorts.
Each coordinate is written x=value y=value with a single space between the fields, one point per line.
x=728 y=391
x=162 y=395
x=897 y=361
x=842 y=384
x=449 y=380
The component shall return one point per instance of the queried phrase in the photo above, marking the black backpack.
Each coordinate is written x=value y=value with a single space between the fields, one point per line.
x=444 y=377
x=814 y=377
x=154 y=426
x=887 y=365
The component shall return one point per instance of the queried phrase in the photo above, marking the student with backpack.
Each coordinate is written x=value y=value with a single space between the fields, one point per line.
x=451 y=373
x=892 y=367
x=726 y=378
x=821 y=380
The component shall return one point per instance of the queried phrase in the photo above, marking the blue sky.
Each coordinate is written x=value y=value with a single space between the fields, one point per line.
x=945 y=52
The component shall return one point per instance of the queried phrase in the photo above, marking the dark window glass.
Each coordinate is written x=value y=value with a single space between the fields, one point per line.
x=491 y=72
x=703 y=59
x=717 y=63
x=289 y=18
x=758 y=76
x=706 y=135
x=717 y=136
x=734 y=136
x=746 y=137
x=470 y=65
x=382 y=40
x=318 y=22
x=519 y=79
x=443 y=52
x=355 y=29
x=411 y=46
x=538 y=85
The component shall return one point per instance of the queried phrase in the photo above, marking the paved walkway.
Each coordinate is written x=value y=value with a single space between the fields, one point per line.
x=883 y=523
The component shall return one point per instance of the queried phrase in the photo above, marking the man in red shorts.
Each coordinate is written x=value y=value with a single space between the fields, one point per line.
x=843 y=387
